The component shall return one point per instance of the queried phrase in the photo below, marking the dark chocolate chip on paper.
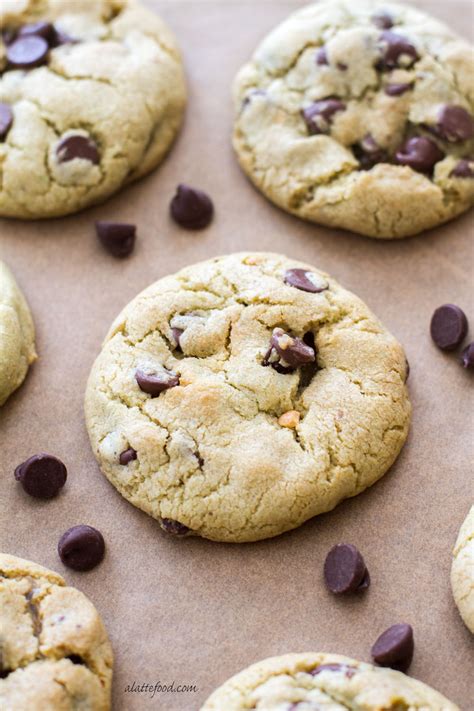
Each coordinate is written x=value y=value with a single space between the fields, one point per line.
x=41 y=476
x=394 y=648
x=81 y=547
x=345 y=570
x=191 y=208
x=118 y=238
x=467 y=356
x=448 y=327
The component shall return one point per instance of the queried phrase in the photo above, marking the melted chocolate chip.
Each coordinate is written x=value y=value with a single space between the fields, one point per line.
x=81 y=547
x=174 y=527
x=27 y=52
x=397 y=51
x=455 y=124
x=382 y=19
x=419 y=153
x=41 y=476
x=287 y=352
x=448 y=327
x=191 y=208
x=345 y=570
x=6 y=120
x=77 y=146
x=117 y=238
x=467 y=357
x=127 y=456
x=321 y=57
x=39 y=29
x=335 y=667
x=369 y=153
x=305 y=280
x=155 y=383
x=394 y=648
x=319 y=116
x=397 y=89
x=463 y=169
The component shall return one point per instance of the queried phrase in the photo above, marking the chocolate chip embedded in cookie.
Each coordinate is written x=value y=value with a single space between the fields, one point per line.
x=364 y=119
x=246 y=379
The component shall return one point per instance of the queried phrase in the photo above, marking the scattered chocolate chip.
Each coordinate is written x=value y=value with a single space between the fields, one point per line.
x=397 y=89
x=336 y=667
x=81 y=547
x=305 y=280
x=39 y=29
x=77 y=147
x=397 y=51
x=467 y=356
x=463 y=169
x=394 y=648
x=174 y=527
x=155 y=383
x=448 y=327
x=419 y=153
x=27 y=52
x=455 y=124
x=118 y=238
x=6 y=120
x=382 y=19
x=191 y=208
x=129 y=455
x=287 y=352
x=319 y=116
x=345 y=570
x=369 y=153
x=321 y=57
x=41 y=476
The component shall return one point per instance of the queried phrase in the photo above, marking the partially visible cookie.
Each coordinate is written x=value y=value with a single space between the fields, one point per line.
x=307 y=682
x=54 y=650
x=360 y=115
x=462 y=571
x=92 y=94
x=17 y=335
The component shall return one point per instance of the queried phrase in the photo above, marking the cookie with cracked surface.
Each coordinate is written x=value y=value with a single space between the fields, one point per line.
x=17 y=335
x=312 y=681
x=54 y=650
x=360 y=116
x=243 y=395
x=462 y=571
x=92 y=95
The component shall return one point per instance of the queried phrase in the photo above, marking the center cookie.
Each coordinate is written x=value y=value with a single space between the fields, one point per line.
x=244 y=395
x=360 y=115
x=91 y=96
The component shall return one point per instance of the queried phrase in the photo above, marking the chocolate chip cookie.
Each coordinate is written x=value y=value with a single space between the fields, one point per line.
x=243 y=395
x=360 y=116
x=462 y=571
x=91 y=96
x=303 y=682
x=17 y=335
x=54 y=650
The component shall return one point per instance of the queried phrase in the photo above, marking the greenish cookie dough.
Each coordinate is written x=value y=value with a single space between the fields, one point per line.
x=17 y=335
x=323 y=682
x=119 y=84
x=462 y=571
x=333 y=50
x=54 y=651
x=237 y=447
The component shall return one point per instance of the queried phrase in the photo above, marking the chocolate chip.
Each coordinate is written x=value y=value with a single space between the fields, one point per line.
x=321 y=57
x=397 y=51
x=118 y=238
x=305 y=280
x=369 y=153
x=75 y=659
x=463 y=169
x=77 y=147
x=345 y=570
x=394 y=648
x=455 y=124
x=39 y=29
x=382 y=19
x=174 y=527
x=448 y=327
x=342 y=67
x=191 y=208
x=6 y=120
x=467 y=356
x=81 y=547
x=155 y=383
x=419 y=153
x=287 y=352
x=348 y=670
x=319 y=116
x=41 y=476
x=397 y=89
x=27 y=52
x=127 y=456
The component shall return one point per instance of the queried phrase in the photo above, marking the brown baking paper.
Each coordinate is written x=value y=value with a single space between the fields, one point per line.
x=195 y=612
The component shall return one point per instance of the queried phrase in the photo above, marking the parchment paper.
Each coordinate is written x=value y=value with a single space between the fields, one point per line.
x=196 y=612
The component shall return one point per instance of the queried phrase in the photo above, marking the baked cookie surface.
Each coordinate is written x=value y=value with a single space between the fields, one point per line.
x=55 y=653
x=359 y=115
x=244 y=395
x=462 y=571
x=17 y=335
x=303 y=682
x=92 y=94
